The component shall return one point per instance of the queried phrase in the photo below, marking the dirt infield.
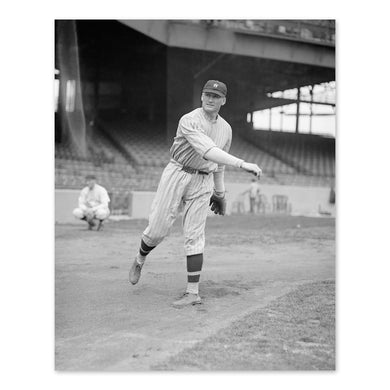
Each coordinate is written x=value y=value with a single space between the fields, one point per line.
x=104 y=323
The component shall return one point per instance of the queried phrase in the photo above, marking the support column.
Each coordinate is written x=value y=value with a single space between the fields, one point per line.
x=270 y=120
x=297 y=116
x=281 y=118
x=311 y=108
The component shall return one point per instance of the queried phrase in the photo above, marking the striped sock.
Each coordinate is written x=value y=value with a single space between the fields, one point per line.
x=144 y=250
x=194 y=267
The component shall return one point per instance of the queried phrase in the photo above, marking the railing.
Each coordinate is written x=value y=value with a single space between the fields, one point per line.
x=315 y=31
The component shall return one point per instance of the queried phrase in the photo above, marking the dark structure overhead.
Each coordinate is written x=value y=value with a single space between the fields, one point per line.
x=269 y=42
x=153 y=70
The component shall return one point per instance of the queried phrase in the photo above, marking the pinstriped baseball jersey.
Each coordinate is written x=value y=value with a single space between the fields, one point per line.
x=196 y=135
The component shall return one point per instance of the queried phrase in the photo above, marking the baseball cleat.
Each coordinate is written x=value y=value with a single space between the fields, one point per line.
x=91 y=224
x=186 y=300
x=135 y=271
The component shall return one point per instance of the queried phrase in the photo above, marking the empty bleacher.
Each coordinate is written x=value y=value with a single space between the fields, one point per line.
x=249 y=152
x=101 y=158
x=128 y=158
x=144 y=144
x=310 y=155
x=98 y=150
x=148 y=147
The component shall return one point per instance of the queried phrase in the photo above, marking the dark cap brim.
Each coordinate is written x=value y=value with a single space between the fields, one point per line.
x=214 y=91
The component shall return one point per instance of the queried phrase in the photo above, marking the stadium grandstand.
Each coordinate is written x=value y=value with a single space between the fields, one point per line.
x=122 y=86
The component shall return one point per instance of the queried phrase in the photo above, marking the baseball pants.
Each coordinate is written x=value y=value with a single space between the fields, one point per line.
x=179 y=190
x=102 y=212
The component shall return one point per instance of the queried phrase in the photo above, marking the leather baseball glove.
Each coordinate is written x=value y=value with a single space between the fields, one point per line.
x=218 y=204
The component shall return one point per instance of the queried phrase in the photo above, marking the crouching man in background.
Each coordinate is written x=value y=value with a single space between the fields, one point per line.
x=93 y=204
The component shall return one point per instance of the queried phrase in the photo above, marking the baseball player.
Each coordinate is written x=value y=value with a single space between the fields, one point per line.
x=93 y=204
x=193 y=180
x=254 y=195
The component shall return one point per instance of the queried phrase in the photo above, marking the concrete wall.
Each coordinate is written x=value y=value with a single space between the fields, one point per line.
x=140 y=202
x=302 y=200
x=305 y=201
x=65 y=202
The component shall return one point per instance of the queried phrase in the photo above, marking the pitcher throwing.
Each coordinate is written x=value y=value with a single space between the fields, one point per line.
x=194 y=180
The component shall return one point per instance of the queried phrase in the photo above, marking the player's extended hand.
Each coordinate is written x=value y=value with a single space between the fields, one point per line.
x=252 y=168
x=218 y=204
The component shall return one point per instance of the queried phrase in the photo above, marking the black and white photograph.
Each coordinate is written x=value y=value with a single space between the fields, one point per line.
x=183 y=205
x=195 y=195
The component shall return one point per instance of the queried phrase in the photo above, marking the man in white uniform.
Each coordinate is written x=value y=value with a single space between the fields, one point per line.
x=193 y=179
x=254 y=195
x=93 y=204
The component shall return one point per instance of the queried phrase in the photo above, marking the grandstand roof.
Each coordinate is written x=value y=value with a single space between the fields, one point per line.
x=297 y=41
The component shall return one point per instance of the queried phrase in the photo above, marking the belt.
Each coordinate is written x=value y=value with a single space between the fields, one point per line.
x=193 y=171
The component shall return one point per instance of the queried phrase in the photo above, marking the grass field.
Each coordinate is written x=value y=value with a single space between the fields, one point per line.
x=294 y=332
x=267 y=285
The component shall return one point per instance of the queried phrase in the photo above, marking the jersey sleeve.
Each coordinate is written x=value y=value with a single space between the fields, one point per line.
x=228 y=143
x=194 y=134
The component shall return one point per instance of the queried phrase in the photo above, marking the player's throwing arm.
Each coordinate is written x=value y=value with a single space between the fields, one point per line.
x=219 y=156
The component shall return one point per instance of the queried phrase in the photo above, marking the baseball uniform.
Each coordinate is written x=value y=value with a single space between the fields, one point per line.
x=95 y=199
x=196 y=134
x=254 y=191
x=192 y=182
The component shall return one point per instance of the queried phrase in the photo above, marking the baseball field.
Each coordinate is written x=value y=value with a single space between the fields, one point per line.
x=268 y=289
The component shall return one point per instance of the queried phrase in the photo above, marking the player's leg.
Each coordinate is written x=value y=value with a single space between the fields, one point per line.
x=194 y=223
x=252 y=205
x=101 y=213
x=79 y=213
x=90 y=217
x=163 y=214
x=166 y=204
x=82 y=213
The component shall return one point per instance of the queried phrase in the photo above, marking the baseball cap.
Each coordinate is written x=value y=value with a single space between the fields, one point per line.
x=90 y=177
x=215 y=86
